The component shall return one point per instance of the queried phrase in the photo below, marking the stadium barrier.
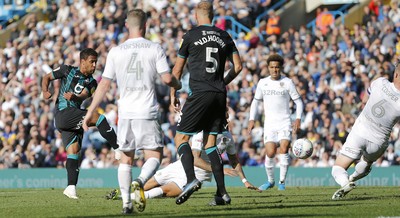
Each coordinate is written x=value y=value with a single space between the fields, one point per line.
x=107 y=178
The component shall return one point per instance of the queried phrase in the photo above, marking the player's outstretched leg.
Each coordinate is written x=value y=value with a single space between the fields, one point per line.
x=140 y=199
x=188 y=191
x=343 y=191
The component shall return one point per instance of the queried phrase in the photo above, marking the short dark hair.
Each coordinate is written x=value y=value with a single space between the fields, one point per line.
x=85 y=53
x=205 y=8
x=275 y=57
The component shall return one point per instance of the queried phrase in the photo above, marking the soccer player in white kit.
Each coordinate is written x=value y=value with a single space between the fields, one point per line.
x=276 y=91
x=136 y=64
x=368 y=139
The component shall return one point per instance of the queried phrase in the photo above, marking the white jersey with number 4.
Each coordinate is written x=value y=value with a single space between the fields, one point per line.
x=276 y=95
x=381 y=112
x=136 y=64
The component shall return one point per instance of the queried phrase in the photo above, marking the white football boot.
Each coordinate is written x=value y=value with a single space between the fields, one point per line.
x=70 y=192
x=340 y=193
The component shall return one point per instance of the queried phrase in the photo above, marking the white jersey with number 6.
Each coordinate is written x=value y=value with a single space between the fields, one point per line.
x=135 y=64
x=381 y=112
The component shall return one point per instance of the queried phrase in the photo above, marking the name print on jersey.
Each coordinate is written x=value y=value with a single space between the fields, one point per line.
x=392 y=96
x=209 y=38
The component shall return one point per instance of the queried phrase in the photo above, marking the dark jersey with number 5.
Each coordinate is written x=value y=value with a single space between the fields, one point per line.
x=206 y=48
x=72 y=80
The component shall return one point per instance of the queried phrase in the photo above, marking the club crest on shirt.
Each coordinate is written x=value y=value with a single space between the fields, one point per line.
x=281 y=84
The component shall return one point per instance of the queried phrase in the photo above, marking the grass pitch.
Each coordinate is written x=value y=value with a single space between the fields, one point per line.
x=294 y=202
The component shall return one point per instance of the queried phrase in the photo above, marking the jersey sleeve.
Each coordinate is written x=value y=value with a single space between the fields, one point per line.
x=293 y=91
x=370 y=88
x=184 y=49
x=161 y=63
x=258 y=95
x=232 y=47
x=109 y=69
x=60 y=72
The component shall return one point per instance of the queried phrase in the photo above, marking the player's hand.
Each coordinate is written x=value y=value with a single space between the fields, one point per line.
x=47 y=95
x=69 y=96
x=251 y=186
x=296 y=126
x=250 y=126
x=230 y=172
x=86 y=120
x=176 y=104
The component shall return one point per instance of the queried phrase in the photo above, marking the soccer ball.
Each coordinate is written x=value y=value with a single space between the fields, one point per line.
x=302 y=148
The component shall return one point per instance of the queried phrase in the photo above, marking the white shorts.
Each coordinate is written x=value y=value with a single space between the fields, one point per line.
x=138 y=134
x=356 y=146
x=277 y=134
x=176 y=174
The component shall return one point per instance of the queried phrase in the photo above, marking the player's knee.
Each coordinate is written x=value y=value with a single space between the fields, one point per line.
x=270 y=153
x=96 y=118
x=180 y=138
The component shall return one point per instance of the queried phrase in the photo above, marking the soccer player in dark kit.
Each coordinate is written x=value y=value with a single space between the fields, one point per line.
x=206 y=48
x=77 y=84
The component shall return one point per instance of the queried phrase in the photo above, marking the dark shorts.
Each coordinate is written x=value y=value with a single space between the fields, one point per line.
x=69 y=123
x=203 y=112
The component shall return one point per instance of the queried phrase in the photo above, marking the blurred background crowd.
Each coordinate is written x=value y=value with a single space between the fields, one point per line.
x=331 y=65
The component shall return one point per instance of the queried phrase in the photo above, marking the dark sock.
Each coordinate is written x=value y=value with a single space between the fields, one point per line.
x=186 y=156
x=107 y=131
x=72 y=170
x=217 y=168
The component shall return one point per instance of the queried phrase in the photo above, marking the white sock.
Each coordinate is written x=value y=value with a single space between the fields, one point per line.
x=340 y=175
x=154 y=193
x=125 y=180
x=362 y=169
x=149 y=168
x=284 y=165
x=269 y=168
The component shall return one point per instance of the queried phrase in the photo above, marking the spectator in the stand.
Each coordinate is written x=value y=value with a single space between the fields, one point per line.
x=325 y=21
x=367 y=16
x=273 y=24
x=374 y=6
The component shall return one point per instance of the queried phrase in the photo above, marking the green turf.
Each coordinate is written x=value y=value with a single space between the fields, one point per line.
x=294 y=202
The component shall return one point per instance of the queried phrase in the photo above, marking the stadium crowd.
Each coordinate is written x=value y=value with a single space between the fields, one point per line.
x=332 y=70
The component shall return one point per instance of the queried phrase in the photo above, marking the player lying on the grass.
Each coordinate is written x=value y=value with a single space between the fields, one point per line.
x=170 y=180
x=368 y=139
